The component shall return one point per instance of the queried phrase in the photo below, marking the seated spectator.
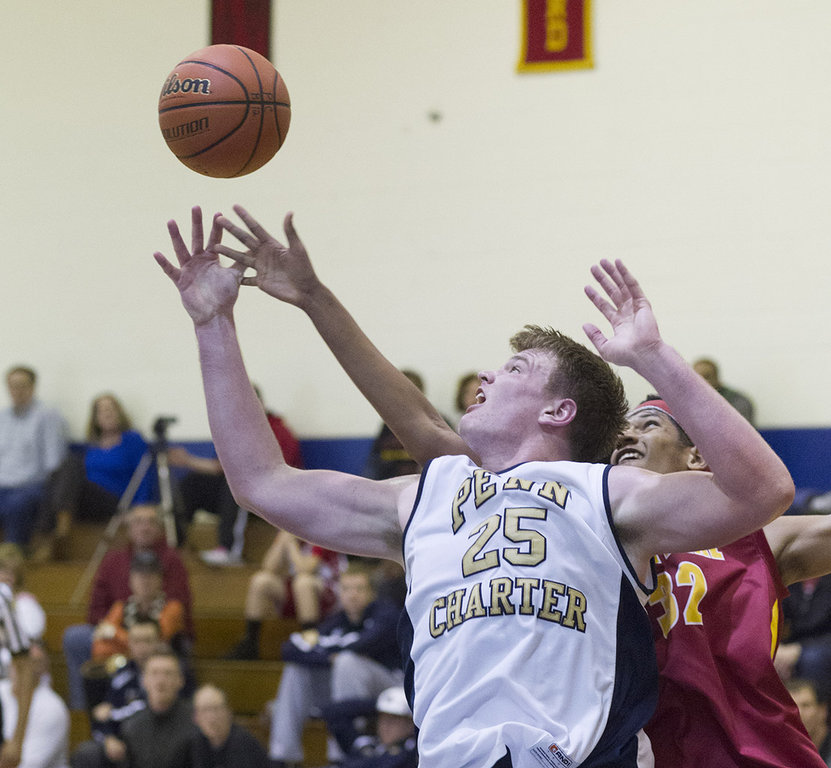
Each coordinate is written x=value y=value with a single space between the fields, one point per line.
x=123 y=697
x=393 y=741
x=203 y=486
x=814 y=714
x=353 y=654
x=162 y=734
x=296 y=579
x=32 y=446
x=219 y=741
x=112 y=583
x=147 y=600
x=233 y=519
x=708 y=370
x=31 y=618
x=46 y=739
x=90 y=485
x=805 y=649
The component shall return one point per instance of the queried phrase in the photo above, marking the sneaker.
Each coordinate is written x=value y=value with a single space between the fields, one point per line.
x=219 y=557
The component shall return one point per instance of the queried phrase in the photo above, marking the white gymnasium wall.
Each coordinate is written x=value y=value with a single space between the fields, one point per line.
x=697 y=149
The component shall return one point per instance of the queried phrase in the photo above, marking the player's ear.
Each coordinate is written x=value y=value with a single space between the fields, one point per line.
x=559 y=413
x=695 y=461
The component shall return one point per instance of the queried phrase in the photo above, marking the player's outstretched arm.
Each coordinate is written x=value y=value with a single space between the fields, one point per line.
x=749 y=485
x=286 y=273
x=339 y=511
x=801 y=545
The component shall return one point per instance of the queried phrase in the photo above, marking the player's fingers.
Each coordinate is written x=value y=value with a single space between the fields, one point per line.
x=179 y=247
x=249 y=281
x=171 y=271
x=595 y=335
x=606 y=283
x=256 y=228
x=239 y=269
x=606 y=309
x=632 y=285
x=197 y=239
x=240 y=257
x=246 y=238
x=216 y=232
x=621 y=292
x=291 y=232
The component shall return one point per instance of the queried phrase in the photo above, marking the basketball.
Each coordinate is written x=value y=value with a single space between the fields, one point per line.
x=224 y=111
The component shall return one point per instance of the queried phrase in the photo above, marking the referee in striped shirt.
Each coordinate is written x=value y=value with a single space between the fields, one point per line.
x=17 y=642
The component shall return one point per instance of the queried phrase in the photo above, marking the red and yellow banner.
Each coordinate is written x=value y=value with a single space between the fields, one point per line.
x=556 y=34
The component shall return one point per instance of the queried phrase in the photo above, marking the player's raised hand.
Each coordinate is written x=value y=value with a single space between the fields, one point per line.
x=284 y=272
x=206 y=287
x=634 y=328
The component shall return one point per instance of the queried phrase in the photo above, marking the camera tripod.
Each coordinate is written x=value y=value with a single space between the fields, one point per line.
x=170 y=503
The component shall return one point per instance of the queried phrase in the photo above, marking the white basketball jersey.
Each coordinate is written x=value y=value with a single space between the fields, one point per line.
x=524 y=620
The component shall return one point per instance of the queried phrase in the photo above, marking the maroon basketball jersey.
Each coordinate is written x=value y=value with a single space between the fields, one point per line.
x=715 y=617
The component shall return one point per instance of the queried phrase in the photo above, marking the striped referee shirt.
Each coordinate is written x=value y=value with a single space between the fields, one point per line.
x=11 y=636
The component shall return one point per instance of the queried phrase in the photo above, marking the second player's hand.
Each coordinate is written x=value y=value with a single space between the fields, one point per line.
x=634 y=328
x=286 y=273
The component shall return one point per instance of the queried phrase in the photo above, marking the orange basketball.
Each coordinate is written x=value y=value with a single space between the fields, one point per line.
x=224 y=111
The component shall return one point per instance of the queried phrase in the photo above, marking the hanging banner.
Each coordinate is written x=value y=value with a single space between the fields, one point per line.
x=242 y=22
x=556 y=34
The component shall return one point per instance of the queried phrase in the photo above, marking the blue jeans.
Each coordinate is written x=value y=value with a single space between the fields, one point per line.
x=77 y=648
x=19 y=510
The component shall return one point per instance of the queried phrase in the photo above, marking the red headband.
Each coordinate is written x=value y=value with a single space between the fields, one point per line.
x=655 y=405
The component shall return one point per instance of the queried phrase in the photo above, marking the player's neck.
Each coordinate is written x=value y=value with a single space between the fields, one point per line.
x=537 y=448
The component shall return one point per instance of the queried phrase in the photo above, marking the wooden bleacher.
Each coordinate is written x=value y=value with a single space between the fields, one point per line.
x=219 y=596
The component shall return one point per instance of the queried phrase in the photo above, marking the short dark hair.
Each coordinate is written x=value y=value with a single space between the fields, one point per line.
x=25 y=370
x=588 y=380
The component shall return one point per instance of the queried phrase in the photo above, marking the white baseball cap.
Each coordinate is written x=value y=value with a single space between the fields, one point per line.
x=393 y=701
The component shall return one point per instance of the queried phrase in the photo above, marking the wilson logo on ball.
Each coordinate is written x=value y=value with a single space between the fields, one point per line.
x=189 y=85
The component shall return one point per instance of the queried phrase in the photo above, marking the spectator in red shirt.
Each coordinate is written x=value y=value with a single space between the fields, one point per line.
x=145 y=532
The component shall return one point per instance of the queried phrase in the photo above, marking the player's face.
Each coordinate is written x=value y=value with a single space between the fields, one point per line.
x=511 y=399
x=651 y=441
